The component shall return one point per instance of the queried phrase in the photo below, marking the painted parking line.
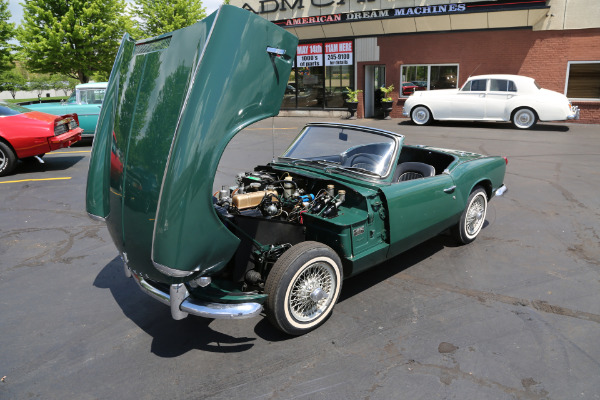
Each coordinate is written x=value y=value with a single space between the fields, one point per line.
x=36 y=180
x=68 y=152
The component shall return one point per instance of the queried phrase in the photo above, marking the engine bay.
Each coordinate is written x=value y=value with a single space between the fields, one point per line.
x=266 y=194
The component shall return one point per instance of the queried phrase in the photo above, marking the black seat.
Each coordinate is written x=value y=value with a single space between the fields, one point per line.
x=412 y=170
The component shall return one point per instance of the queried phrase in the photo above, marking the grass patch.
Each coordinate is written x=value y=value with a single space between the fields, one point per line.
x=35 y=99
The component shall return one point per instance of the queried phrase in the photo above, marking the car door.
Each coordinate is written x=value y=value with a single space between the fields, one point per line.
x=500 y=91
x=420 y=209
x=89 y=109
x=88 y=117
x=470 y=102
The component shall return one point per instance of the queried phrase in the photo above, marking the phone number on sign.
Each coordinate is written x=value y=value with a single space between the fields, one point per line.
x=331 y=57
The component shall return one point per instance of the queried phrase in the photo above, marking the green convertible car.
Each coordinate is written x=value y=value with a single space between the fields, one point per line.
x=282 y=237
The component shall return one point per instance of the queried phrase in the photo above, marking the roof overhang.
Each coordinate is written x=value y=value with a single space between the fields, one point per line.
x=384 y=17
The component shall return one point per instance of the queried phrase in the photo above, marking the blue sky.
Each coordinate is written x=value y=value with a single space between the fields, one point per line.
x=16 y=9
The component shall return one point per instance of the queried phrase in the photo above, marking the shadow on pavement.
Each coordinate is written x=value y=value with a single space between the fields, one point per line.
x=84 y=142
x=54 y=163
x=170 y=338
x=393 y=266
x=540 y=127
x=173 y=338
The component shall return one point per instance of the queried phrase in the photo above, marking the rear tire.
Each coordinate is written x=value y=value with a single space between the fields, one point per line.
x=524 y=118
x=303 y=287
x=8 y=159
x=472 y=218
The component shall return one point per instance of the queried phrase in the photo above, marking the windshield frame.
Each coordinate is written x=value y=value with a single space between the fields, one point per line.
x=333 y=167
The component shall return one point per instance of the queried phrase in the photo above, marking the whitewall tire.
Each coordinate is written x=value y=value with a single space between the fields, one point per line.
x=303 y=287
x=472 y=218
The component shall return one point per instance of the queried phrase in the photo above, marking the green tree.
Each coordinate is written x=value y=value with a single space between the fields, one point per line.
x=101 y=76
x=12 y=81
x=39 y=83
x=61 y=82
x=76 y=38
x=7 y=31
x=156 y=17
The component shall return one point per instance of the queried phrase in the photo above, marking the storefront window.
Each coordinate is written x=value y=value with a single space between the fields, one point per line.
x=310 y=87
x=415 y=74
x=584 y=80
x=321 y=73
x=289 y=98
x=428 y=77
x=337 y=79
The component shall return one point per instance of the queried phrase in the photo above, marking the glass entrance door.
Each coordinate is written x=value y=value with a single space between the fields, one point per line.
x=379 y=79
x=374 y=80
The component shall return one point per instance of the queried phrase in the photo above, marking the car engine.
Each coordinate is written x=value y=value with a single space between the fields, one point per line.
x=263 y=194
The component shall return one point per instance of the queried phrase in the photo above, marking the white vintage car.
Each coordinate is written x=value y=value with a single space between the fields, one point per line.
x=491 y=98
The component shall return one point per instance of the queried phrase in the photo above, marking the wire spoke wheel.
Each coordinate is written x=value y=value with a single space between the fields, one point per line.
x=473 y=217
x=303 y=287
x=311 y=292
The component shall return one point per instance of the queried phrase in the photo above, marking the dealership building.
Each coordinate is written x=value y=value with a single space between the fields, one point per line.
x=434 y=44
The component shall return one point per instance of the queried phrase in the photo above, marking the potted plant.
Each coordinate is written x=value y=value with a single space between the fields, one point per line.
x=352 y=101
x=387 y=102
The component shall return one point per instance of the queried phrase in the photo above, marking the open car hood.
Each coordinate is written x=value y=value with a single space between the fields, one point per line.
x=172 y=104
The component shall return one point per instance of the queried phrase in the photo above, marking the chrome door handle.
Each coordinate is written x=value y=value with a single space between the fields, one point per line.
x=450 y=189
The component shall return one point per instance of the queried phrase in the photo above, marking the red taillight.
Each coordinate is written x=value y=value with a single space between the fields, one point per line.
x=60 y=127
x=505 y=160
x=65 y=124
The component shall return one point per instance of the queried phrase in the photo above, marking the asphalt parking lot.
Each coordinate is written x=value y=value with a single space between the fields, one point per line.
x=514 y=315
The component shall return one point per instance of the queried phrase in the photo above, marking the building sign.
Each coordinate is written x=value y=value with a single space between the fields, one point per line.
x=310 y=55
x=375 y=14
x=275 y=6
x=338 y=53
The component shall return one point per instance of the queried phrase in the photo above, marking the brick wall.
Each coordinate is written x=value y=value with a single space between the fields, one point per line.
x=542 y=55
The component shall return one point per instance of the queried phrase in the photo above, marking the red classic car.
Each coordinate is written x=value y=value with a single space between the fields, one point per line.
x=409 y=88
x=27 y=134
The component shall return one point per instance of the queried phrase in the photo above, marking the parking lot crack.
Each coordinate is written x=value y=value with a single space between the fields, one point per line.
x=482 y=296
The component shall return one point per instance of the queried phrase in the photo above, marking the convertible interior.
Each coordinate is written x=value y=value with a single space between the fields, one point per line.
x=417 y=162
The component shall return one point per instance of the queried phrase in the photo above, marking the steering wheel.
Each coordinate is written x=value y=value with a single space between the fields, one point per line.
x=364 y=161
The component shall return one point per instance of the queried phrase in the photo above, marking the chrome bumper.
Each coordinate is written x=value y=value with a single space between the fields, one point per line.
x=575 y=110
x=500 y=191
x=182 y=304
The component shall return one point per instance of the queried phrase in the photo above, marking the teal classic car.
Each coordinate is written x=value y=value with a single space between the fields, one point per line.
x=284 y=236
x=85 y=101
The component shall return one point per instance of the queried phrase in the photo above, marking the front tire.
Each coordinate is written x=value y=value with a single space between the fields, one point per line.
x=420 y=115
x=8 y=159
x=303 y=287
x=472 y=218
x=524 y=118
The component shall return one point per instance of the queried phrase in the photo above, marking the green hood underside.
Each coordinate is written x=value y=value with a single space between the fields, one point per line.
x=172 y=104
